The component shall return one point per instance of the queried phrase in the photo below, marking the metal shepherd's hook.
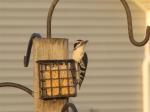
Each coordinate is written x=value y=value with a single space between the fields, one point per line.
x=49 y=18
x=130 y=27
x=129 y=23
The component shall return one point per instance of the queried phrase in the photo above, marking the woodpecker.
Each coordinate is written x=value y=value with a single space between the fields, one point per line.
x=81 y=59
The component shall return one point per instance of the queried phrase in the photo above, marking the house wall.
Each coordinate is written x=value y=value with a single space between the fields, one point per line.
x=113 y=81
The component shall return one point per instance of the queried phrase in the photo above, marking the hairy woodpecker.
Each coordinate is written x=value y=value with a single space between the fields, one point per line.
x=81 y=59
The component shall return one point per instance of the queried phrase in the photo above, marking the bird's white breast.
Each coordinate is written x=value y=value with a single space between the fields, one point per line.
x=78 y=54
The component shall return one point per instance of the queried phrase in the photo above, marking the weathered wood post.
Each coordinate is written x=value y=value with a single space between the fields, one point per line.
x=50 y=49
x=47 y=49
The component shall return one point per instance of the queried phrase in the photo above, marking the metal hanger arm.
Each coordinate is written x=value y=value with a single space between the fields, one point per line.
x=10 y=84
x=130 y=27
x=129 y=23
x=49 y=17
x=27 y=57
x=71 y=105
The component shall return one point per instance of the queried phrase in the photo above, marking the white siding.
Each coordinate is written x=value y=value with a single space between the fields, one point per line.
x=114 y=77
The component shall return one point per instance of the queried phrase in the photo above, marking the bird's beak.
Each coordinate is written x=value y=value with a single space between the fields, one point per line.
x=84 y=42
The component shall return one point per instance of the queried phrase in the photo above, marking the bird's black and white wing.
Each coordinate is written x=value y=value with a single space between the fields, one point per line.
x=83 y=66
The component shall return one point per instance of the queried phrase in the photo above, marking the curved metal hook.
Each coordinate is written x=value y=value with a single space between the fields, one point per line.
x=130 y=27
x=49 y=17
x=10 y=84
x=66 y=107
x=27 y=57
x=129 y=21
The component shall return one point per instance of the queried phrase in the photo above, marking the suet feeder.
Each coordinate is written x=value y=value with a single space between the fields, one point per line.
x=56 y=79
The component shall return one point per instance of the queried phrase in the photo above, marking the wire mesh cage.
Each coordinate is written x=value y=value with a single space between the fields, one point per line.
x=56 y=79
